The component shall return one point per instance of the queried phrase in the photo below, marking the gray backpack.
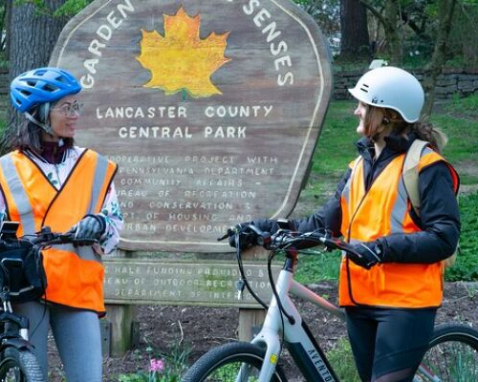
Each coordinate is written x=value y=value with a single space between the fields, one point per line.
x=410 y=180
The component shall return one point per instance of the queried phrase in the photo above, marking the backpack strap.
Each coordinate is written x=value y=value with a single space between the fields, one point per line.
x=410 y=173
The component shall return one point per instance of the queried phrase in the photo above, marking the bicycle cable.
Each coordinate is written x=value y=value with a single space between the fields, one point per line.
x=274 y=290
x=243 y=275
x=282 y=311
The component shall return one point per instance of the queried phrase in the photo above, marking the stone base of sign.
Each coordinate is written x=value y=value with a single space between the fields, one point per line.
x=121 y=319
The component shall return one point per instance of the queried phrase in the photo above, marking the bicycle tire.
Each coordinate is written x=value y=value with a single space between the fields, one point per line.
x=19 y=366
x=224 y=362
x=452 y=355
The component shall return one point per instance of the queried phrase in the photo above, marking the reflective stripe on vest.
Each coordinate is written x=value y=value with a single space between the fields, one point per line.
x=75 y=275
x=19 y=195
x=385 y=210
x=100 y=174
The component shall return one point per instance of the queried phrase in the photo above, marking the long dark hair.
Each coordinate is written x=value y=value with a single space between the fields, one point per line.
x=378 y=120
x=28 y=135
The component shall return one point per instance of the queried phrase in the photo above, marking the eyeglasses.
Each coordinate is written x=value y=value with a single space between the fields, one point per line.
x=70 y=110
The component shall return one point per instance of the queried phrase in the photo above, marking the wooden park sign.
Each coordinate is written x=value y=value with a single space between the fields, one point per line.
x=212 y=110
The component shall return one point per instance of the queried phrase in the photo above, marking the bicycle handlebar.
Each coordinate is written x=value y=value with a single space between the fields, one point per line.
x=285 y=238
x=46 y=237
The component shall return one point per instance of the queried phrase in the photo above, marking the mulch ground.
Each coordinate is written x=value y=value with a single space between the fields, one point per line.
x=162 y=328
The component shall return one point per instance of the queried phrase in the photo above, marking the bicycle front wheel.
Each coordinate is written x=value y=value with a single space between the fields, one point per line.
x=233 y=362
x=19 y=366
x=452 y=355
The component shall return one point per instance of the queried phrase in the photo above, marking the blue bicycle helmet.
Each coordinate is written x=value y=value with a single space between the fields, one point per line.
x=41 y=85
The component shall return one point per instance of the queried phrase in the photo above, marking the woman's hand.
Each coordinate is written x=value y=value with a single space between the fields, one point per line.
x=366 y=255
x=91 y=227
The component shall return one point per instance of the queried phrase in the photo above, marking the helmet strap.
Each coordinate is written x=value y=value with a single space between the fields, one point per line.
x=44 y=126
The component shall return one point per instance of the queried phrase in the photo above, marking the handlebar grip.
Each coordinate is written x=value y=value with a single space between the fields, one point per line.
x=258 y=236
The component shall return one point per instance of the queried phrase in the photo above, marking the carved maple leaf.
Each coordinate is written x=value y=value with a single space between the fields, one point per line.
x=180 y=60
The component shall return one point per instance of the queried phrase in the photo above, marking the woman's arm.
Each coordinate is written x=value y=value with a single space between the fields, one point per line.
x=327 y=217
x=440 y=222
x=114 y=223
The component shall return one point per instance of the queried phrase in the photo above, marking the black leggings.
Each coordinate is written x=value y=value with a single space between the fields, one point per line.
x=389 y=344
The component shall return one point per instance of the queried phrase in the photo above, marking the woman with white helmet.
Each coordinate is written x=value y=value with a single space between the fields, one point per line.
x=45 y=180
x=391 y=292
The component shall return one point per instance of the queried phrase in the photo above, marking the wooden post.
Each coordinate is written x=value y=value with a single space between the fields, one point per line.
x=121 y=318
x=249 y=319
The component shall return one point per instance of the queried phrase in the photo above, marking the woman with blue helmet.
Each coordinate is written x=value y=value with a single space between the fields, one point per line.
x=45 y=180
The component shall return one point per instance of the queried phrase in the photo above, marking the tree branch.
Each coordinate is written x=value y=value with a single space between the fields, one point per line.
x=376 y=13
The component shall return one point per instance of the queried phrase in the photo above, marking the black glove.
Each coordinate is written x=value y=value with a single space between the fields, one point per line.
x=247 y=237
x=366 y=254
x=89 y=229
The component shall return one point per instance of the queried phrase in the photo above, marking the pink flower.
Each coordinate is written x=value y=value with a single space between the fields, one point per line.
x=156 y=365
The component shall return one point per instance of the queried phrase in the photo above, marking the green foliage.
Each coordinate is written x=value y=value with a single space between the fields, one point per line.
x=465 y=268
x=467 y=106
x=342 y=361
x=327 y=15
x=68 y=9
x=72 y=7
x=463 y=50
x=161 y=367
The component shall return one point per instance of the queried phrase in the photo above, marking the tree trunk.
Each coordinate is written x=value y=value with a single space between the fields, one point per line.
x=32 y=36
x=446 y=9
x=355 y=42
x=395 y=48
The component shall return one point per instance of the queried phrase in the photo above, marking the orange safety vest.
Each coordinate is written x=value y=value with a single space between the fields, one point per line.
x=381 y=211
x=75 y=275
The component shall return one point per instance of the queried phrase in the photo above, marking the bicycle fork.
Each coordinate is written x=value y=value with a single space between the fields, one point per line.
x=268 y=339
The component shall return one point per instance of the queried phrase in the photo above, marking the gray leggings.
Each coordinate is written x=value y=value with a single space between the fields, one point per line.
x=77 y=337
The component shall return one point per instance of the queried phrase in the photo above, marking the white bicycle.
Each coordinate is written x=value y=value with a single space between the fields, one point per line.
x=452 y=355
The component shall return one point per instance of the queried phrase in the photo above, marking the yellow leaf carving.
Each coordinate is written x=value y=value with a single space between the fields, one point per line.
x=180 y=60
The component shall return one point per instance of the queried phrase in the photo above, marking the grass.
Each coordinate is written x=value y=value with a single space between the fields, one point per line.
x=466 y=106
x=335 y=149
x=342 y=361
x=465 y=268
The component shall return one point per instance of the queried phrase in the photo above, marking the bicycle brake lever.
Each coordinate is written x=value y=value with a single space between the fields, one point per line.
x=223 y=237
x=334 y=243
x=230 y=232
x=263 y=238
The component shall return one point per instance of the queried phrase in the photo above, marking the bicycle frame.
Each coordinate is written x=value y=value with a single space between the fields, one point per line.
x=302 y=346
x=298 y=339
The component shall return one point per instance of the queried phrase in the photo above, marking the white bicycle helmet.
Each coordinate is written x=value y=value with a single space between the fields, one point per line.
x=391 y=88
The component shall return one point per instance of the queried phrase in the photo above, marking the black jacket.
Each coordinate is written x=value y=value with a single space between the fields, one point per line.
x=439 y=221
